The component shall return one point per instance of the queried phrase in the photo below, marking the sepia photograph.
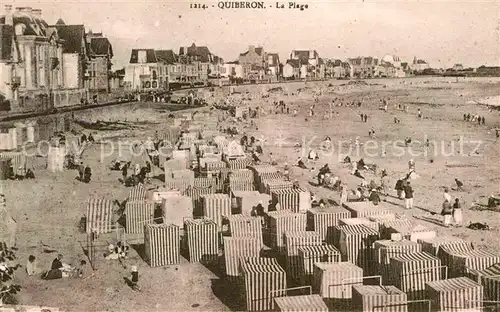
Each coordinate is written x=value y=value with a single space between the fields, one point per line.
x=311 y=156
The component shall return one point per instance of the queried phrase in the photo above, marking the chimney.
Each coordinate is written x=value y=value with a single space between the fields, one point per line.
x=8 y=15
x=251 y=48
x=37 y=13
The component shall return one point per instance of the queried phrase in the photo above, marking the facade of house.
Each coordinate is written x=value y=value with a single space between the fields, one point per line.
x=75 y=54
x=458 y=67
x=292 y=70
x=142 y=72
x=116 y=79
x=273 y=65
x=99 y=67
x=419 y=65
x=312 y=65
x=363 y=67
x=234 y=70
x=335 y=68
x=254 y=62
x=32 y=67
x=198 y=62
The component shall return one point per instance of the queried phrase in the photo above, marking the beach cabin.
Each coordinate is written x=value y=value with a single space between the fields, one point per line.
x=8 y=137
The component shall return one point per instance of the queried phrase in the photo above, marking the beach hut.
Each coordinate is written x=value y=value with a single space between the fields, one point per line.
x=8 y=137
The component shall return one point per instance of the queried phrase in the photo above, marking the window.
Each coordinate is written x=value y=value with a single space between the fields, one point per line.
x=142 y=57
x=154 y=74
x=155 y=84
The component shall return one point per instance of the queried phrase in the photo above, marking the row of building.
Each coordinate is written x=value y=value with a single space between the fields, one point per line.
x=46 y=66
x=156 y=69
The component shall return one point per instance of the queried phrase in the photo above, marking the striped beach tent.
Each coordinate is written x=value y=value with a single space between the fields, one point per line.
x=490 y=279
x=384 y=250
x=455 y=294
x=461 y=261
x=319 y=219
x=378 y=298
x=411 y=271
x=367 y=209
x=202 y=240
x=433 y=245
x=162 y=244
x=215 y=206
x=293 y=241
x=236 y=248
x=100 y=217
x=244 y=225
x=356 y=243
x=359 y=221
x=263 y=280
x=295 y=199
x=281 y=222
x=138 y=192
x=309 y=255
x=335 y=280
x=138 y=214
x=310 y=303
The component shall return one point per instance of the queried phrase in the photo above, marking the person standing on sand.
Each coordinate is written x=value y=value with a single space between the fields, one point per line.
x=457 y=212
x=447 y=212
x=408 y=196
x=446 y=195
x=483 y=121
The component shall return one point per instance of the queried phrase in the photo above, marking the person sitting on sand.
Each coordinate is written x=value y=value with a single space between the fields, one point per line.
x=30 y=174
x=361 y=164
x=312 y=155
x=492 y=202
x=460 y=185
x=347 y=160
x=300 y=163
x=374 y=197
x=357 y=174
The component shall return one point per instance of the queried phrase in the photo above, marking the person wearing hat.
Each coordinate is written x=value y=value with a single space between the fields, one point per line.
x=134 y=278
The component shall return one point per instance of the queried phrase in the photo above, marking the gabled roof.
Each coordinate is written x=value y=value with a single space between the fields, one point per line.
x=293 y=63
x=73 y=36
x=101 y=46
x=303 y=55
x=421 y=62
x=275 y=57
x=150 y=56
x=34 y=26
x=202 y=53
x=168 y=56
x=60 y=22
x=6 y=34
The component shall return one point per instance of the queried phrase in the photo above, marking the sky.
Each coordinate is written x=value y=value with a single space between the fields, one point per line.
x=441 y=32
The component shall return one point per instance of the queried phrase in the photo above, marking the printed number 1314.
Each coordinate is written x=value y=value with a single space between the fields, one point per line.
x=197 y=6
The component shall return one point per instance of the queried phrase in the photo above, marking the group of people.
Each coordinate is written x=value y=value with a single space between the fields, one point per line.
x=84 y=173
x=58 y=269
x=475 y=118
x=452 y=210
x=140 y=174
